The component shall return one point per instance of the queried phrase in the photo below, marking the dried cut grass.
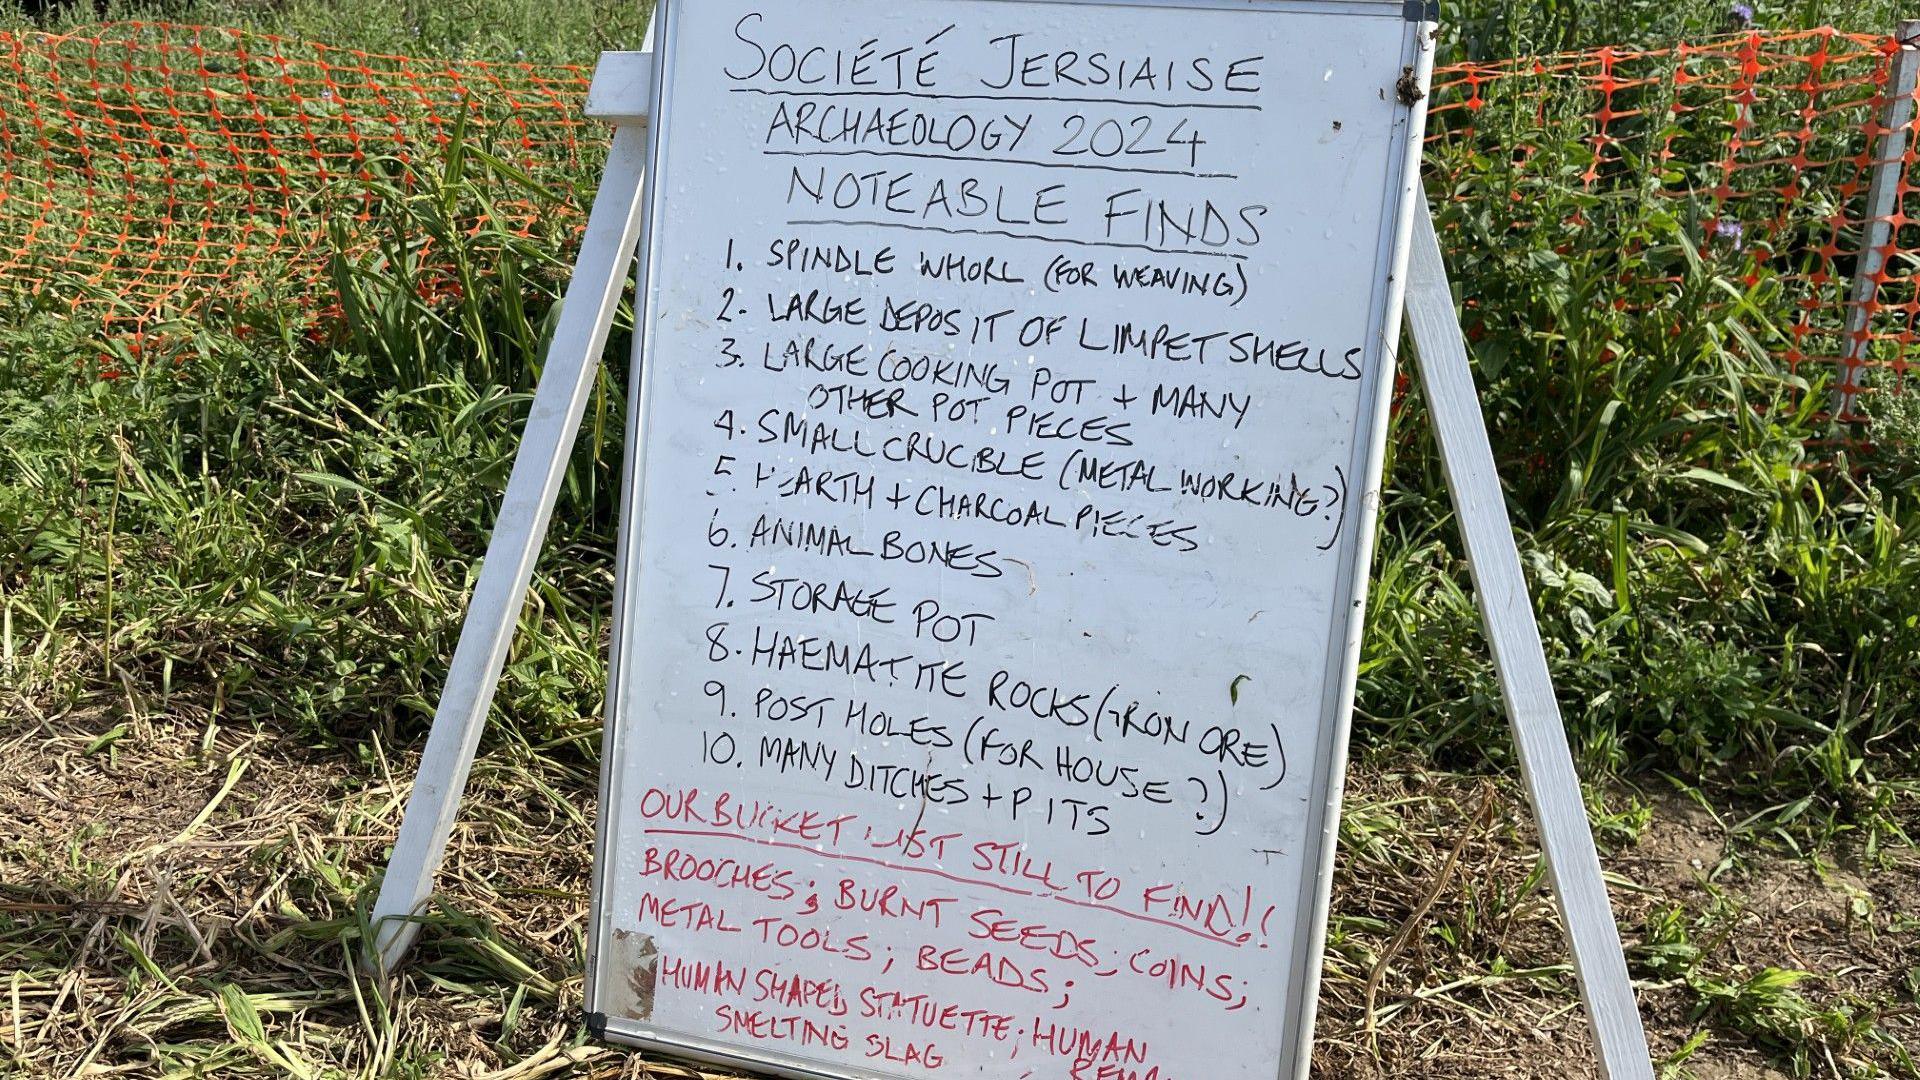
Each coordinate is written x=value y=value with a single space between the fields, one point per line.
x=181 y=898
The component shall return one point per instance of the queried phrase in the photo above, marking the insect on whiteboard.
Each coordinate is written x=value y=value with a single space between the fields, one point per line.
x=1005 y=451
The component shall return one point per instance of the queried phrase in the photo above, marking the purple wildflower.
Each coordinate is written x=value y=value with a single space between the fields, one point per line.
x=1742 y=15
x=1733 y=231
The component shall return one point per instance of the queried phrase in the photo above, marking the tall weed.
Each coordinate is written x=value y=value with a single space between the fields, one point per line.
x=1719 y=601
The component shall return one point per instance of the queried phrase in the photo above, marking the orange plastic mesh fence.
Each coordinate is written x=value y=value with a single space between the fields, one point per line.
x=159 y=166
x=1773 y=137
x=151 y=167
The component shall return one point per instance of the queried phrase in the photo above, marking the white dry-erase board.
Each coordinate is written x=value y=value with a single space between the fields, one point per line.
x=1011 y=392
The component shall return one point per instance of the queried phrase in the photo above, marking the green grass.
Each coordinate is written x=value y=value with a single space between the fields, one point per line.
x=575 y=33
x=509 y=30
x=1482 y=30
x=1721 y=602
x=267 y=523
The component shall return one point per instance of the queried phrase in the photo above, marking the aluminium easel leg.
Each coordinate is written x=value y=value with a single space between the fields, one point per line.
x=600 y=277
x=1506 y=612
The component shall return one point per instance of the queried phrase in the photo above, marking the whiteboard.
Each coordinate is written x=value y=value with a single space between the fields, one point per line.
x=1003 y=462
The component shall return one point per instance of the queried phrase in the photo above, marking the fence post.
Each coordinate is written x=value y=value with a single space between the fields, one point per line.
x=1883 y=202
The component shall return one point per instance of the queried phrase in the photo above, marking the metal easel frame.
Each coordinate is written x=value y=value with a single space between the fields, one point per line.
x=621 y=94
x=621 y=91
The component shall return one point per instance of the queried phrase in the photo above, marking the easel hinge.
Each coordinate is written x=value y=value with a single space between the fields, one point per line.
x=1422 y=11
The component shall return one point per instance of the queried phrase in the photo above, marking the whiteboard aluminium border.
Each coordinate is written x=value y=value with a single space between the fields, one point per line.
x=1403 y=201
x=1343 y=663
x=629 y=457
x=623 y=549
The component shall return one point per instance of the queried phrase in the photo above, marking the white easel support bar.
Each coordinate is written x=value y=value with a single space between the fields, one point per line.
x=621 y=88
x=1506 y=612
x=600 y=277
x=1883 y=202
